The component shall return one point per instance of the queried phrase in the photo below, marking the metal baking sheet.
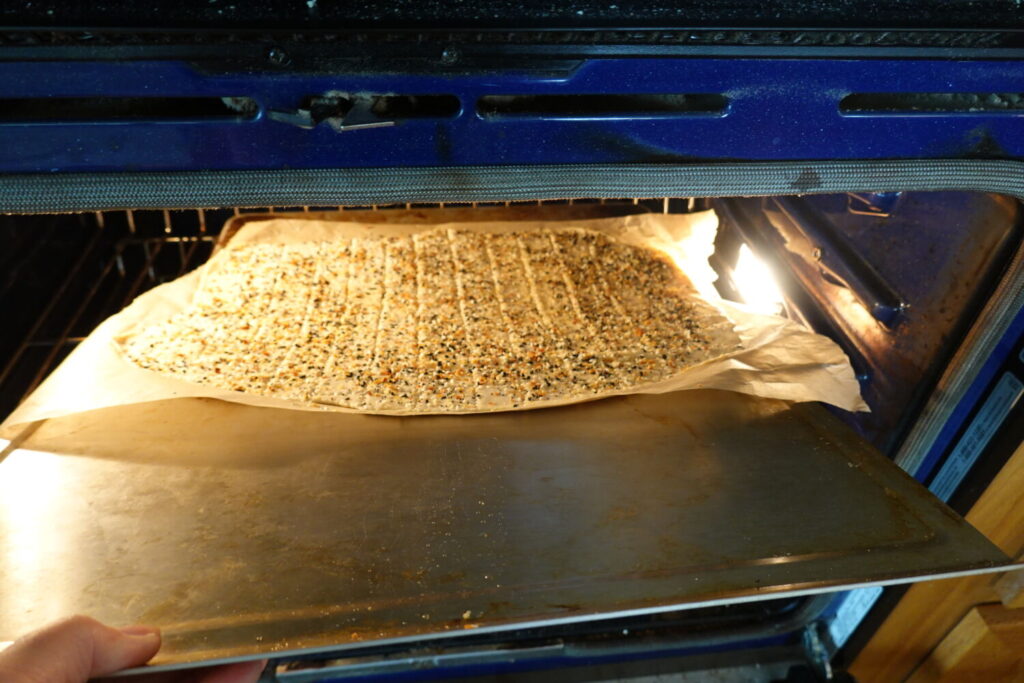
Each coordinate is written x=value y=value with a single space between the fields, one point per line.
x=244 y=531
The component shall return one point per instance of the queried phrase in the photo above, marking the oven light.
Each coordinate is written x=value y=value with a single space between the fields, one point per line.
x=756 y=284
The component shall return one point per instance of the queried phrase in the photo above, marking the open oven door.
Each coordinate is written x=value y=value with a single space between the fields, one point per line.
x=245 y=532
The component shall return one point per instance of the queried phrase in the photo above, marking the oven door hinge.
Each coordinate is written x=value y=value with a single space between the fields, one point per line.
x=817 y=652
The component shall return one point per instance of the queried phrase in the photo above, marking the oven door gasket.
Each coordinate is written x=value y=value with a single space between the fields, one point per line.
x=30 y=193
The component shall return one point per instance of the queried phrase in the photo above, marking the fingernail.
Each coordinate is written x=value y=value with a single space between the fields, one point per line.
x=139 y=630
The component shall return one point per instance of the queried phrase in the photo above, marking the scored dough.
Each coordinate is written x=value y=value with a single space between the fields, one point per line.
x=447 y=320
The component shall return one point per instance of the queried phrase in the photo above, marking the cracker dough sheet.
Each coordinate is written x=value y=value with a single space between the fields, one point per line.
x=409 y=319
x=447 y=320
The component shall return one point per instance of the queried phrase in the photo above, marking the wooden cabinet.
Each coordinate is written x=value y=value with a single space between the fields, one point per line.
x=936 y=630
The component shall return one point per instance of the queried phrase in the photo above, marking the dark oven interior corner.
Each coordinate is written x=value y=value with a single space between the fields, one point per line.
x=864 y=184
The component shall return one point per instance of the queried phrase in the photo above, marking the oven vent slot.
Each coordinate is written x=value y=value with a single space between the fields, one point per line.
x=416 y=106
x=886 y=103
x=118 y=109
x=580 y=106
x=342 y=111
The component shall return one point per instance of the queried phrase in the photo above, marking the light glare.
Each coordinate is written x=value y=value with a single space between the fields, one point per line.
x=756 y=284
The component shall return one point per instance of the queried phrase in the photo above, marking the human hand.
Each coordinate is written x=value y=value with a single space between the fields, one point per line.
x=79 y=648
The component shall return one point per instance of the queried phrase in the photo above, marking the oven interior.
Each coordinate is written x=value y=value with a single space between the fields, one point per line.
x=897 y=279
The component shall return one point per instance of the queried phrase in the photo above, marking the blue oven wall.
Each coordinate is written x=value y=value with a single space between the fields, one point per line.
x=782 y=109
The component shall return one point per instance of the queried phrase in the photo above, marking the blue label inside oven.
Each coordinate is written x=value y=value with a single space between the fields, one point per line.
x=985 y=424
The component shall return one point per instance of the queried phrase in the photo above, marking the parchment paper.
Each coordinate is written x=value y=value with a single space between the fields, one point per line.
x=778 y=358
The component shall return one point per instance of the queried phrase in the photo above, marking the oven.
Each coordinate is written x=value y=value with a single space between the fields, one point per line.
x=866 y=184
